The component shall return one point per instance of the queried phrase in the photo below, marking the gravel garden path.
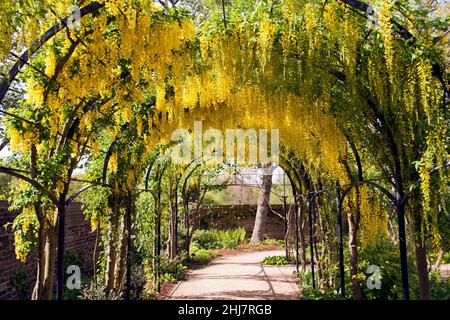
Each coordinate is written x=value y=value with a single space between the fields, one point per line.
x=239 y=277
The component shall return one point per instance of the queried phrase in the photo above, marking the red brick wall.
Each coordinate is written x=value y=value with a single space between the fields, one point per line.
x=230 y=217
x=79 y=240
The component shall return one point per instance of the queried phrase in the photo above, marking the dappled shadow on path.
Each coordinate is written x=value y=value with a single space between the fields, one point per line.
x=239 y=295
x=239 y=277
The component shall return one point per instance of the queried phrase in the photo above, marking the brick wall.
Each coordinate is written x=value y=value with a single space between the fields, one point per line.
x=230 y=217
x=80 y=243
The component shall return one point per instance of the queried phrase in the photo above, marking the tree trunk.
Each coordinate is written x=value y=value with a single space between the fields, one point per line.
x=301 y=223
x=421 y=253
x=119 y=278
x=40 y=272
x=262 y=210
x=50 y=259
x=40 y=213
x=422 y=269
x=111 y=251
x=353 y=247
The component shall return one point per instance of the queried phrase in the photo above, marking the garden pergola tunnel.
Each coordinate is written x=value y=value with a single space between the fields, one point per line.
x=302 y=185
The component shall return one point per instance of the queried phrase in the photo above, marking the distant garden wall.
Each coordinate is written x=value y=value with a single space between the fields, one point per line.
x=229 y=217
x=80 y=243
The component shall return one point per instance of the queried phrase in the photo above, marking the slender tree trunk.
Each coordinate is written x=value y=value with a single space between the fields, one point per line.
x=301 y=223
x=40 y=272
x=422 y=269
x=353 y=246
x=111 y=250
x=262 y=210
x=94 y=255
x=400 y=208
x=50 y=260
x=353 y=217
x=319 y=228
x=421 y=252
x=121 y=260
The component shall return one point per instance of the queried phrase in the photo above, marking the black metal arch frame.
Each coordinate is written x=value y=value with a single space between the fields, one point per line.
x=361 y=8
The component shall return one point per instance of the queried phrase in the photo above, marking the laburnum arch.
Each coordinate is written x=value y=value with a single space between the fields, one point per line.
x=116 y=88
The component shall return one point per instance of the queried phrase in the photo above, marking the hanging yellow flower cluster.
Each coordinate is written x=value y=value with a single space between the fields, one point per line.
x=373 y=220
x=424 y=75
x=265 y=40
x=234 y=97
x=97 y=69
x=387 y=35
x=22 y=239
x=22 y=142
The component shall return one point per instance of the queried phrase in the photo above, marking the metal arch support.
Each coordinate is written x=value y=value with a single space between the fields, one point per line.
x=147 y=175
x=34 y=183
x=314 y=195
x=77 y=193
x=311 y=239
x=295 y=194
x=37 y=44
x=186 y=204
x=340 y=237
x=157 y=245
x=106 y=162
x=340 y=196
x=109 y=153
x=310 y=201
x=390 y=196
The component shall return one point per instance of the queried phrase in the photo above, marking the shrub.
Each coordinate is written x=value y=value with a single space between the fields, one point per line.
x=276 y=260
x=205 y=239
x=172 y=270
x=440 y=289
x=446 y=258
x=217 y=239
x=273 y=242
x=316 y=294
x=308 y=293
x=201 y=256
x=384 y=254
x=138 y=290
x=20 y=282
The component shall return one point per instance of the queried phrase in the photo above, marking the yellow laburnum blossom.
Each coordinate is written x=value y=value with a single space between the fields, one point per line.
x=50 y=63
x=265 y=40
x=113 y=162
x=373 y=220
x=35 y=92
x=387 y=34
x=22 y=142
